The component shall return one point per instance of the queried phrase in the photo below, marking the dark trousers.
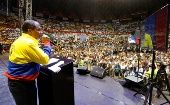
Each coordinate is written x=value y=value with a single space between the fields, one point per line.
x=24 y=92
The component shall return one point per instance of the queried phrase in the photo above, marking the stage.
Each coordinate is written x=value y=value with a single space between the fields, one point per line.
x=88 y=90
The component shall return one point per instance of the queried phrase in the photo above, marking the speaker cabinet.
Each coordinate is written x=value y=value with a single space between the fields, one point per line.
x=82 y=70
x=98 y=72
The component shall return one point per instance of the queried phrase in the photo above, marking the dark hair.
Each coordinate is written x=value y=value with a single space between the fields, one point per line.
x=132 y=32
x=29 y=24
x=162 y=66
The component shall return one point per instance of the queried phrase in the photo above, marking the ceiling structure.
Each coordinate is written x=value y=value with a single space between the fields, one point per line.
x=95 y=9
x=100 y=9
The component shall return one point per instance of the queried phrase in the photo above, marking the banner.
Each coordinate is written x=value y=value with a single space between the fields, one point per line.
x=161 y=29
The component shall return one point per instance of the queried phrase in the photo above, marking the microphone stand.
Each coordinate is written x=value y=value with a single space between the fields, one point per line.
x=138 y=57
x=151 y=84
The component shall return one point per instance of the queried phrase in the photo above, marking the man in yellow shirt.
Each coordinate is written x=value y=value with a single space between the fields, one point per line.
x=25 y=58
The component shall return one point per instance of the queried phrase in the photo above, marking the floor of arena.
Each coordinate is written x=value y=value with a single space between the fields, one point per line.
x=88 y=90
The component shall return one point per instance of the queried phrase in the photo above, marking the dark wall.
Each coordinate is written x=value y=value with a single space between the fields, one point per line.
x=94 y=9
x=99 y=9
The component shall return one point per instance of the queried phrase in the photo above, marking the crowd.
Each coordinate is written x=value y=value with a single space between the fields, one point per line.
x=9 y=31
x=90 y=44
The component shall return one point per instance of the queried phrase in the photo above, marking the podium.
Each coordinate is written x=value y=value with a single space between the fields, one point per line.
x=56 y=88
